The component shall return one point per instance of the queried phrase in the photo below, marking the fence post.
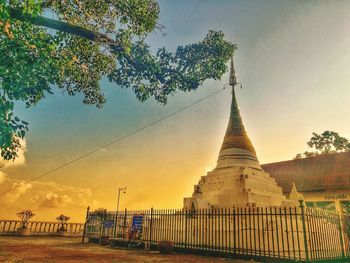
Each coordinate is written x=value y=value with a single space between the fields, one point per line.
x=102 y=224
x=150 y=230
x=341 y=235
x=124 y=224
x=302 y=208
x=186 y=228
x=86 y=221
x=234 y=232
x=115 y=224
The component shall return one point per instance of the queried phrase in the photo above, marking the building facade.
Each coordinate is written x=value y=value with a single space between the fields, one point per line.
x=323 y=180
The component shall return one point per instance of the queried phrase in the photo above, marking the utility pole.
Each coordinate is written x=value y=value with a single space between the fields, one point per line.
x=116 y=214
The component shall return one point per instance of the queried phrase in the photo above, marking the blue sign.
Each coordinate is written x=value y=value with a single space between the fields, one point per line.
x=137 y=222
x=109 y=223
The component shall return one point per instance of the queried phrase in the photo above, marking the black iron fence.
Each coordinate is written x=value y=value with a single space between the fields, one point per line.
x=291 y=233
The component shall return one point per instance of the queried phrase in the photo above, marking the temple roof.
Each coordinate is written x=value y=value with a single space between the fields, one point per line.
x=319 y=173
x=236 y=149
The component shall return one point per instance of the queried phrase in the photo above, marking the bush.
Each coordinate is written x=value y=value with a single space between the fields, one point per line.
x=25 y=216
x=62 y=219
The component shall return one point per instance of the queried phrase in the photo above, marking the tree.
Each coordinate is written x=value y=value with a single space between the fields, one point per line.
x=25 y=216
x=325 y=143
x=88 y=41
x=99 y=212
x=62 y=219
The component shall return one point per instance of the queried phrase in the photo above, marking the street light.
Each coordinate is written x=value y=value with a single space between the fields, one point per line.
x=116 y=214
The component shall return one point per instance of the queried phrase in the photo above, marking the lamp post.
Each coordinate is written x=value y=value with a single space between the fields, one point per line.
x=116 y=214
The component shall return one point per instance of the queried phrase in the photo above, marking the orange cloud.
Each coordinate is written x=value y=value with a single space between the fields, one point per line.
x=53 y=200
x=46 y=199
x=19 y=189
x=2 y=177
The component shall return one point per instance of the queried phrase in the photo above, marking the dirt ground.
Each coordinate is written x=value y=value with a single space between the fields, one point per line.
x=71 y=250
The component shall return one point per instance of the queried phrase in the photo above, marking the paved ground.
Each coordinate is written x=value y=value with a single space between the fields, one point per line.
x=70 y=250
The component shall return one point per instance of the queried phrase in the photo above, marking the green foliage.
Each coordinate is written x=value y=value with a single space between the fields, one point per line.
x=37 y=53
x=325 y=143
x=25 y=216
x=322 y=205
x=62 y=220
x=346 y=207
x=100 y=213
x=167 y=72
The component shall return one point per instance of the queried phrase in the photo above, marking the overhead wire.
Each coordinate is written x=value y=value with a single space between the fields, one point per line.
x=116 y=140
x=111 y=142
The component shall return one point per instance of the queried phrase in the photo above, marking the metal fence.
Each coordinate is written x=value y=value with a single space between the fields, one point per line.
x=296 y=234
x=9 y=227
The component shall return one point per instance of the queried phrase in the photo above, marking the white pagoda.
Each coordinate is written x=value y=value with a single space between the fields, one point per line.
x=238 y=180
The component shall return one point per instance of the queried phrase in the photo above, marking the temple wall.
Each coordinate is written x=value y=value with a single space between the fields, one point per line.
x=237 y=187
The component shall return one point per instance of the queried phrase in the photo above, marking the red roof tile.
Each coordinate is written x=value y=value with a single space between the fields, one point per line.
x=323 y=172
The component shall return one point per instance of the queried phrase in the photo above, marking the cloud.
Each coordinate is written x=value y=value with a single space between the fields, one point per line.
x=47 y=199
x=19 y=189
x=53 y=200
x=54 y=195
x=20 y=159
x=2 y=177
x=61 y=188
x=103 y=150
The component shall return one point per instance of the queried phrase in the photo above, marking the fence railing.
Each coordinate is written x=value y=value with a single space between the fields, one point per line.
x=291 y=233
x=8 y=227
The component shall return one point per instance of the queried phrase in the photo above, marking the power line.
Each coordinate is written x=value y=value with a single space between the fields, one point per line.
x=116 y=140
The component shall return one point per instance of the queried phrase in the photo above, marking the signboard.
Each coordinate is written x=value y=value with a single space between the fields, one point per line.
x=109 y=224
x=336 y=197
x=137 y=222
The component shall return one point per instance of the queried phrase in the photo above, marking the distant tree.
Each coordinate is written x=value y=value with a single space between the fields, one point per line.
x=325 y=143
x=75 y=44
x=298 y=156
x=62 y=219
x=99 y=213
x=25 y=216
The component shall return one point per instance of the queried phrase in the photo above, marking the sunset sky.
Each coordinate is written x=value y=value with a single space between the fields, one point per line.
x=293 y=60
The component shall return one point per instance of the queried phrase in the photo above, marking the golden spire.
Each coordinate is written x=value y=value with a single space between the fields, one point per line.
x=233 y=80
x=236 y=149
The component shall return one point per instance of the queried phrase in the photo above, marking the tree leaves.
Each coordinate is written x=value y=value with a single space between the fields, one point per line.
x=163 y=74
x=328 y=141
x=11 y=129
x=325 y=143
x=25 y=216
x=100 y=39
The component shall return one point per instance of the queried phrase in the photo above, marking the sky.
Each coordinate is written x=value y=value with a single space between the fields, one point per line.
x=292 y=60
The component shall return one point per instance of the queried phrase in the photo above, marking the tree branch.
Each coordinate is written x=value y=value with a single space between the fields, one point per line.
x=62 y=26
x=77 y=31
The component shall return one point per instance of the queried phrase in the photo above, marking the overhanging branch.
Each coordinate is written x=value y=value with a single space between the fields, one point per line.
x=78 y=31
x=62 y=26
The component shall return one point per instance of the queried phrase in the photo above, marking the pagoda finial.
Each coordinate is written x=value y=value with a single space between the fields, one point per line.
x=233 y=79
x=236 y=149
